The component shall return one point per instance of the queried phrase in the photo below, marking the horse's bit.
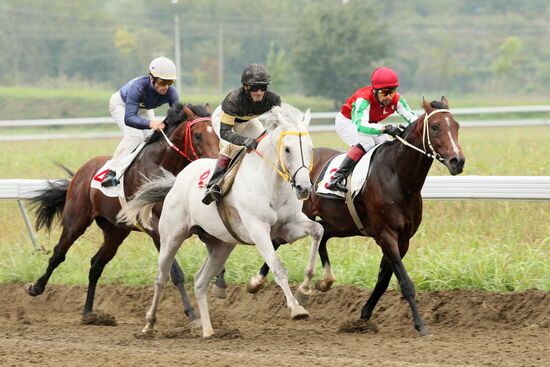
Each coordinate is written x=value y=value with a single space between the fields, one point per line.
x=187 y=140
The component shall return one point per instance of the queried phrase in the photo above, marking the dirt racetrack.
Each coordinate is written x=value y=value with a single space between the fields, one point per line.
x=469 y=328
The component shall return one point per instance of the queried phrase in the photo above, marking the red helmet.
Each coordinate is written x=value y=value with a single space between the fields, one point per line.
x=384 y=77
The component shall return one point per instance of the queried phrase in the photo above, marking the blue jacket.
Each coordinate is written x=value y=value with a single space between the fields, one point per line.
x=140 y=93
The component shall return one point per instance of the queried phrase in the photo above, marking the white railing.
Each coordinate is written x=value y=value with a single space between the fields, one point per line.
x=436 y=188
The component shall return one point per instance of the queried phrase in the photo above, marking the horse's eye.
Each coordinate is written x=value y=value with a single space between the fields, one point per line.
x=196 y=136
x=435 y=128
x=287 y=150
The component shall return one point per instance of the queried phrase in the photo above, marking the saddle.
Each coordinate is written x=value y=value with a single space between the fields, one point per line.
x=226 y=182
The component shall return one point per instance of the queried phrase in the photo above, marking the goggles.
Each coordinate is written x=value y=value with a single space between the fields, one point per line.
x=163 y=82
x=257 y=87
x=386 y=92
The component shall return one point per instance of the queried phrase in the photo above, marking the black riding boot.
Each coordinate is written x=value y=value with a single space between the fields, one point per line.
x=110 y=179
x=337 y=182
x=213 y=191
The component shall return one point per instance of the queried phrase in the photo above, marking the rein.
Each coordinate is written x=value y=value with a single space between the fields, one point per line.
x=285 y=173
x=187 y=139
x=425 y=137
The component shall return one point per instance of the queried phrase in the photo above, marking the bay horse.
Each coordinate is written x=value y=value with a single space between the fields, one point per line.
x=389 y=204
x=189 y=130
x=261 y=207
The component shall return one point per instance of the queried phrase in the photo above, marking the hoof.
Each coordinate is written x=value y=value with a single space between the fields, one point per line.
x=219 y=292
x=31 y=291
x=298 y=313
x=148 y=330
x=322 y=285
x=254 y=285
x=423 y=331
x=302 y=298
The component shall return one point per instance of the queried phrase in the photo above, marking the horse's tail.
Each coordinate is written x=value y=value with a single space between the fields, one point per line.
x=49 y=203
x=140 y=206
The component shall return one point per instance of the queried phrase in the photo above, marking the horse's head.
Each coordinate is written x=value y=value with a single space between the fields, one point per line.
x=189 y=127
x=289 y=127
x=438 y=130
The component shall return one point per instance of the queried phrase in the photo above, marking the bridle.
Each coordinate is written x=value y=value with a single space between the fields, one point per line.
x=188 y=146
x=426 y=138
x=284 y=171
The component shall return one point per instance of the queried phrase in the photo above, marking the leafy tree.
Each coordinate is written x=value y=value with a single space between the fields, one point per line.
x=279 y=68
x=338 y=47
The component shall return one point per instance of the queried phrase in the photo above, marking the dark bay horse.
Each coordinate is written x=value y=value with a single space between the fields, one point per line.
x=390 y=203
x=189 y=128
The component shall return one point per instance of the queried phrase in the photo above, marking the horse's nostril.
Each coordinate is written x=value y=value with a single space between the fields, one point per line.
x=299 y=187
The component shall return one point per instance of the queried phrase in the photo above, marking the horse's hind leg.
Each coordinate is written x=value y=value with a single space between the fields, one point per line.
x=75 y=222
x=178 y=278
x=113 y=237
x=171 y=242
x=220 y=286
x=218 y=252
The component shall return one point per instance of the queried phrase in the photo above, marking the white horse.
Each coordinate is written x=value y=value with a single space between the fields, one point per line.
x=261 y=205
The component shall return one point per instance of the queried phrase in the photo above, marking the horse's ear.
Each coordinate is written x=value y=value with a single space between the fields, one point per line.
x=208 y=108
x=445 y=102
x=426 y=105
x=188 y=113
x=307 y=118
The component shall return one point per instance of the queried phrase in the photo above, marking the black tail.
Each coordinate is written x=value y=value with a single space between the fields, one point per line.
x=49 y=203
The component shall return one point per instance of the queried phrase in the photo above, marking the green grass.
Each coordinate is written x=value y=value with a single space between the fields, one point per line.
x=492 y=245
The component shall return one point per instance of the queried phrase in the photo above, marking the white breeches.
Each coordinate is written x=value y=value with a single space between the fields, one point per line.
x=349 y=134
x=132 y=137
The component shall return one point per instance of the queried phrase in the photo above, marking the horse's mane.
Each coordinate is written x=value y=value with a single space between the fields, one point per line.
x=294 y=116
x=175 y=117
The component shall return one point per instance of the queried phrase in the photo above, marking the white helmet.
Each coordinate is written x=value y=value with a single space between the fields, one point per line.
x=163 y=68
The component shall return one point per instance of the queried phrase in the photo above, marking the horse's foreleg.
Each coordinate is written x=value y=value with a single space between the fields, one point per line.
x=324 y=284
x=260 y=235
x=300 y=229
x=390 y=248
x=220 y=286
x=384 y=276
x=170 y=245
x=72 y=230
x=257 y=282
x=218 y=252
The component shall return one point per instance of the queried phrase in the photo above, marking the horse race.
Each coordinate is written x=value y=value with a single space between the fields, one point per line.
x=305 y=183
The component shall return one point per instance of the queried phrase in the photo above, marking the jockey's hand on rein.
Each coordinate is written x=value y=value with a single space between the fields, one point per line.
x=251 y=144
x=156 y=125
x=393 y=130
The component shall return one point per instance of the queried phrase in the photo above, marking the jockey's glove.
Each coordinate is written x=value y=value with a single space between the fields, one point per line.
x=393 y=130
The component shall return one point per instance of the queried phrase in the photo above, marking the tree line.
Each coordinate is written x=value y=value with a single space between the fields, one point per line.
x=325 y=47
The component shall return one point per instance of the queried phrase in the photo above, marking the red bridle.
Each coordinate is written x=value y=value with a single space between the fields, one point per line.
x=188 y=139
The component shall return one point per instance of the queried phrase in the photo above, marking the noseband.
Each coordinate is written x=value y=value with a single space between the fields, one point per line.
x=187 y=139
x=426 y=137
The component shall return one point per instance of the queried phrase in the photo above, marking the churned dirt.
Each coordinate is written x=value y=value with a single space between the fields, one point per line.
x=469 y=328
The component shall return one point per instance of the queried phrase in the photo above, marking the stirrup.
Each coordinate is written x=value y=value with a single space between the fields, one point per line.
x=337 y=185
x=212 y=194
x=110 y=181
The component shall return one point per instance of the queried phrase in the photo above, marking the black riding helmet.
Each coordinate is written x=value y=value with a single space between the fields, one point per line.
x=255 y=74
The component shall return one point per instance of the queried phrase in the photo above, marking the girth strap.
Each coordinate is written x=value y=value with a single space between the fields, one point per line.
x=224 y=216
x=351 y=208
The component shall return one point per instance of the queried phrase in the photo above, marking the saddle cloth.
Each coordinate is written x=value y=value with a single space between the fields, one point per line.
x=358 y=176
x=118 y=190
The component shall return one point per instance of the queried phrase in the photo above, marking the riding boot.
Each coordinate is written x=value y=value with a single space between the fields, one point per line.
x=213 y=190
x=337 y=182
x=110 y=179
